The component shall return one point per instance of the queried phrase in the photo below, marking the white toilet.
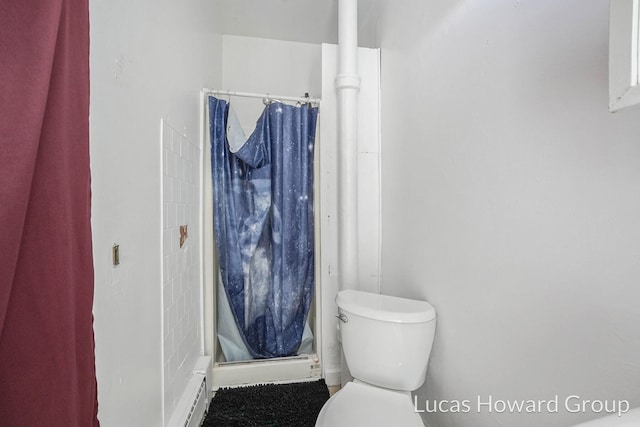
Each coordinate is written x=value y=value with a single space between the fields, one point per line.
x=386 y=342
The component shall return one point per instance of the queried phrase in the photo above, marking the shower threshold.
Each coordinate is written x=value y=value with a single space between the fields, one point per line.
x=279 y=359
x=260 y=371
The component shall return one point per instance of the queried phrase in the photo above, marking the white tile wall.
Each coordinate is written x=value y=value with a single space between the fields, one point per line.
x=181 y=266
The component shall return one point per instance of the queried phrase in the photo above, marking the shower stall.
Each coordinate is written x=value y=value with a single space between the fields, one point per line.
x=260 y=334
x=295 y=68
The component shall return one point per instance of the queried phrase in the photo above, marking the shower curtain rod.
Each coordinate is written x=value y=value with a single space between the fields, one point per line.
x=263 y=96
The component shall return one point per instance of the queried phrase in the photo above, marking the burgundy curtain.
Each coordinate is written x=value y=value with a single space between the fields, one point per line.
x=47 y=370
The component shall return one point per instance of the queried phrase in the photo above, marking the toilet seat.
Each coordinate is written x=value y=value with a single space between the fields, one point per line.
x=361 y=405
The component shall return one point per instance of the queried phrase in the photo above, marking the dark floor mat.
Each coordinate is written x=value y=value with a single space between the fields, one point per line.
x=269 y=405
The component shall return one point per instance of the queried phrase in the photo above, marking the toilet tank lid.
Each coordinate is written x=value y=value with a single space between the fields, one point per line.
x=385 y=308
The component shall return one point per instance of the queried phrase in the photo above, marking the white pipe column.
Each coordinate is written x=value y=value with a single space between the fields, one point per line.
x=347 y=87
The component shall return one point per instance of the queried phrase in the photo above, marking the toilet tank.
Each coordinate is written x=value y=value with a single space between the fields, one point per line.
x=386 y=340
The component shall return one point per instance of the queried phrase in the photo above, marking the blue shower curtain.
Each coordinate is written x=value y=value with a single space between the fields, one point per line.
x=263 y=223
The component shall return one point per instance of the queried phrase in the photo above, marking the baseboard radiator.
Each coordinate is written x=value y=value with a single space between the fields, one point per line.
x=199 y=407
x=193 y=405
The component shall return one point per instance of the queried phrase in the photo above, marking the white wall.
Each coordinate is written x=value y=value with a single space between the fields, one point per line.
x=308 y=21
x=149 y=60
x=510 y=201
x=268 y=66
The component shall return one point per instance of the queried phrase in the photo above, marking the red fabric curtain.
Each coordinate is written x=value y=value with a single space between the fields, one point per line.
x=47 y=369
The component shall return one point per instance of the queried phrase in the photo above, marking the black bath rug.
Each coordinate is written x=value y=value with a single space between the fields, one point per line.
x=269 y=405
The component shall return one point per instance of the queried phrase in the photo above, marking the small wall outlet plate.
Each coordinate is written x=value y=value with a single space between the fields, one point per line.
x=115 y=254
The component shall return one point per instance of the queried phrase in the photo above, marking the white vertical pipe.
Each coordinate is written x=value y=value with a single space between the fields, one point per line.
x=348 y=86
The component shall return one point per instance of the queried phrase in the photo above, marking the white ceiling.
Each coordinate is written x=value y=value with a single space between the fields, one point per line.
x=310 y=21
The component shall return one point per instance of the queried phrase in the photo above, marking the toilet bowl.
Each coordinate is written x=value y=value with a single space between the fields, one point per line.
x=362 y=405
x=386 y=342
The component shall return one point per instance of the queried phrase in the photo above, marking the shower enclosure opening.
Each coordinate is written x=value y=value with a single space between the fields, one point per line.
x=264 y=238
